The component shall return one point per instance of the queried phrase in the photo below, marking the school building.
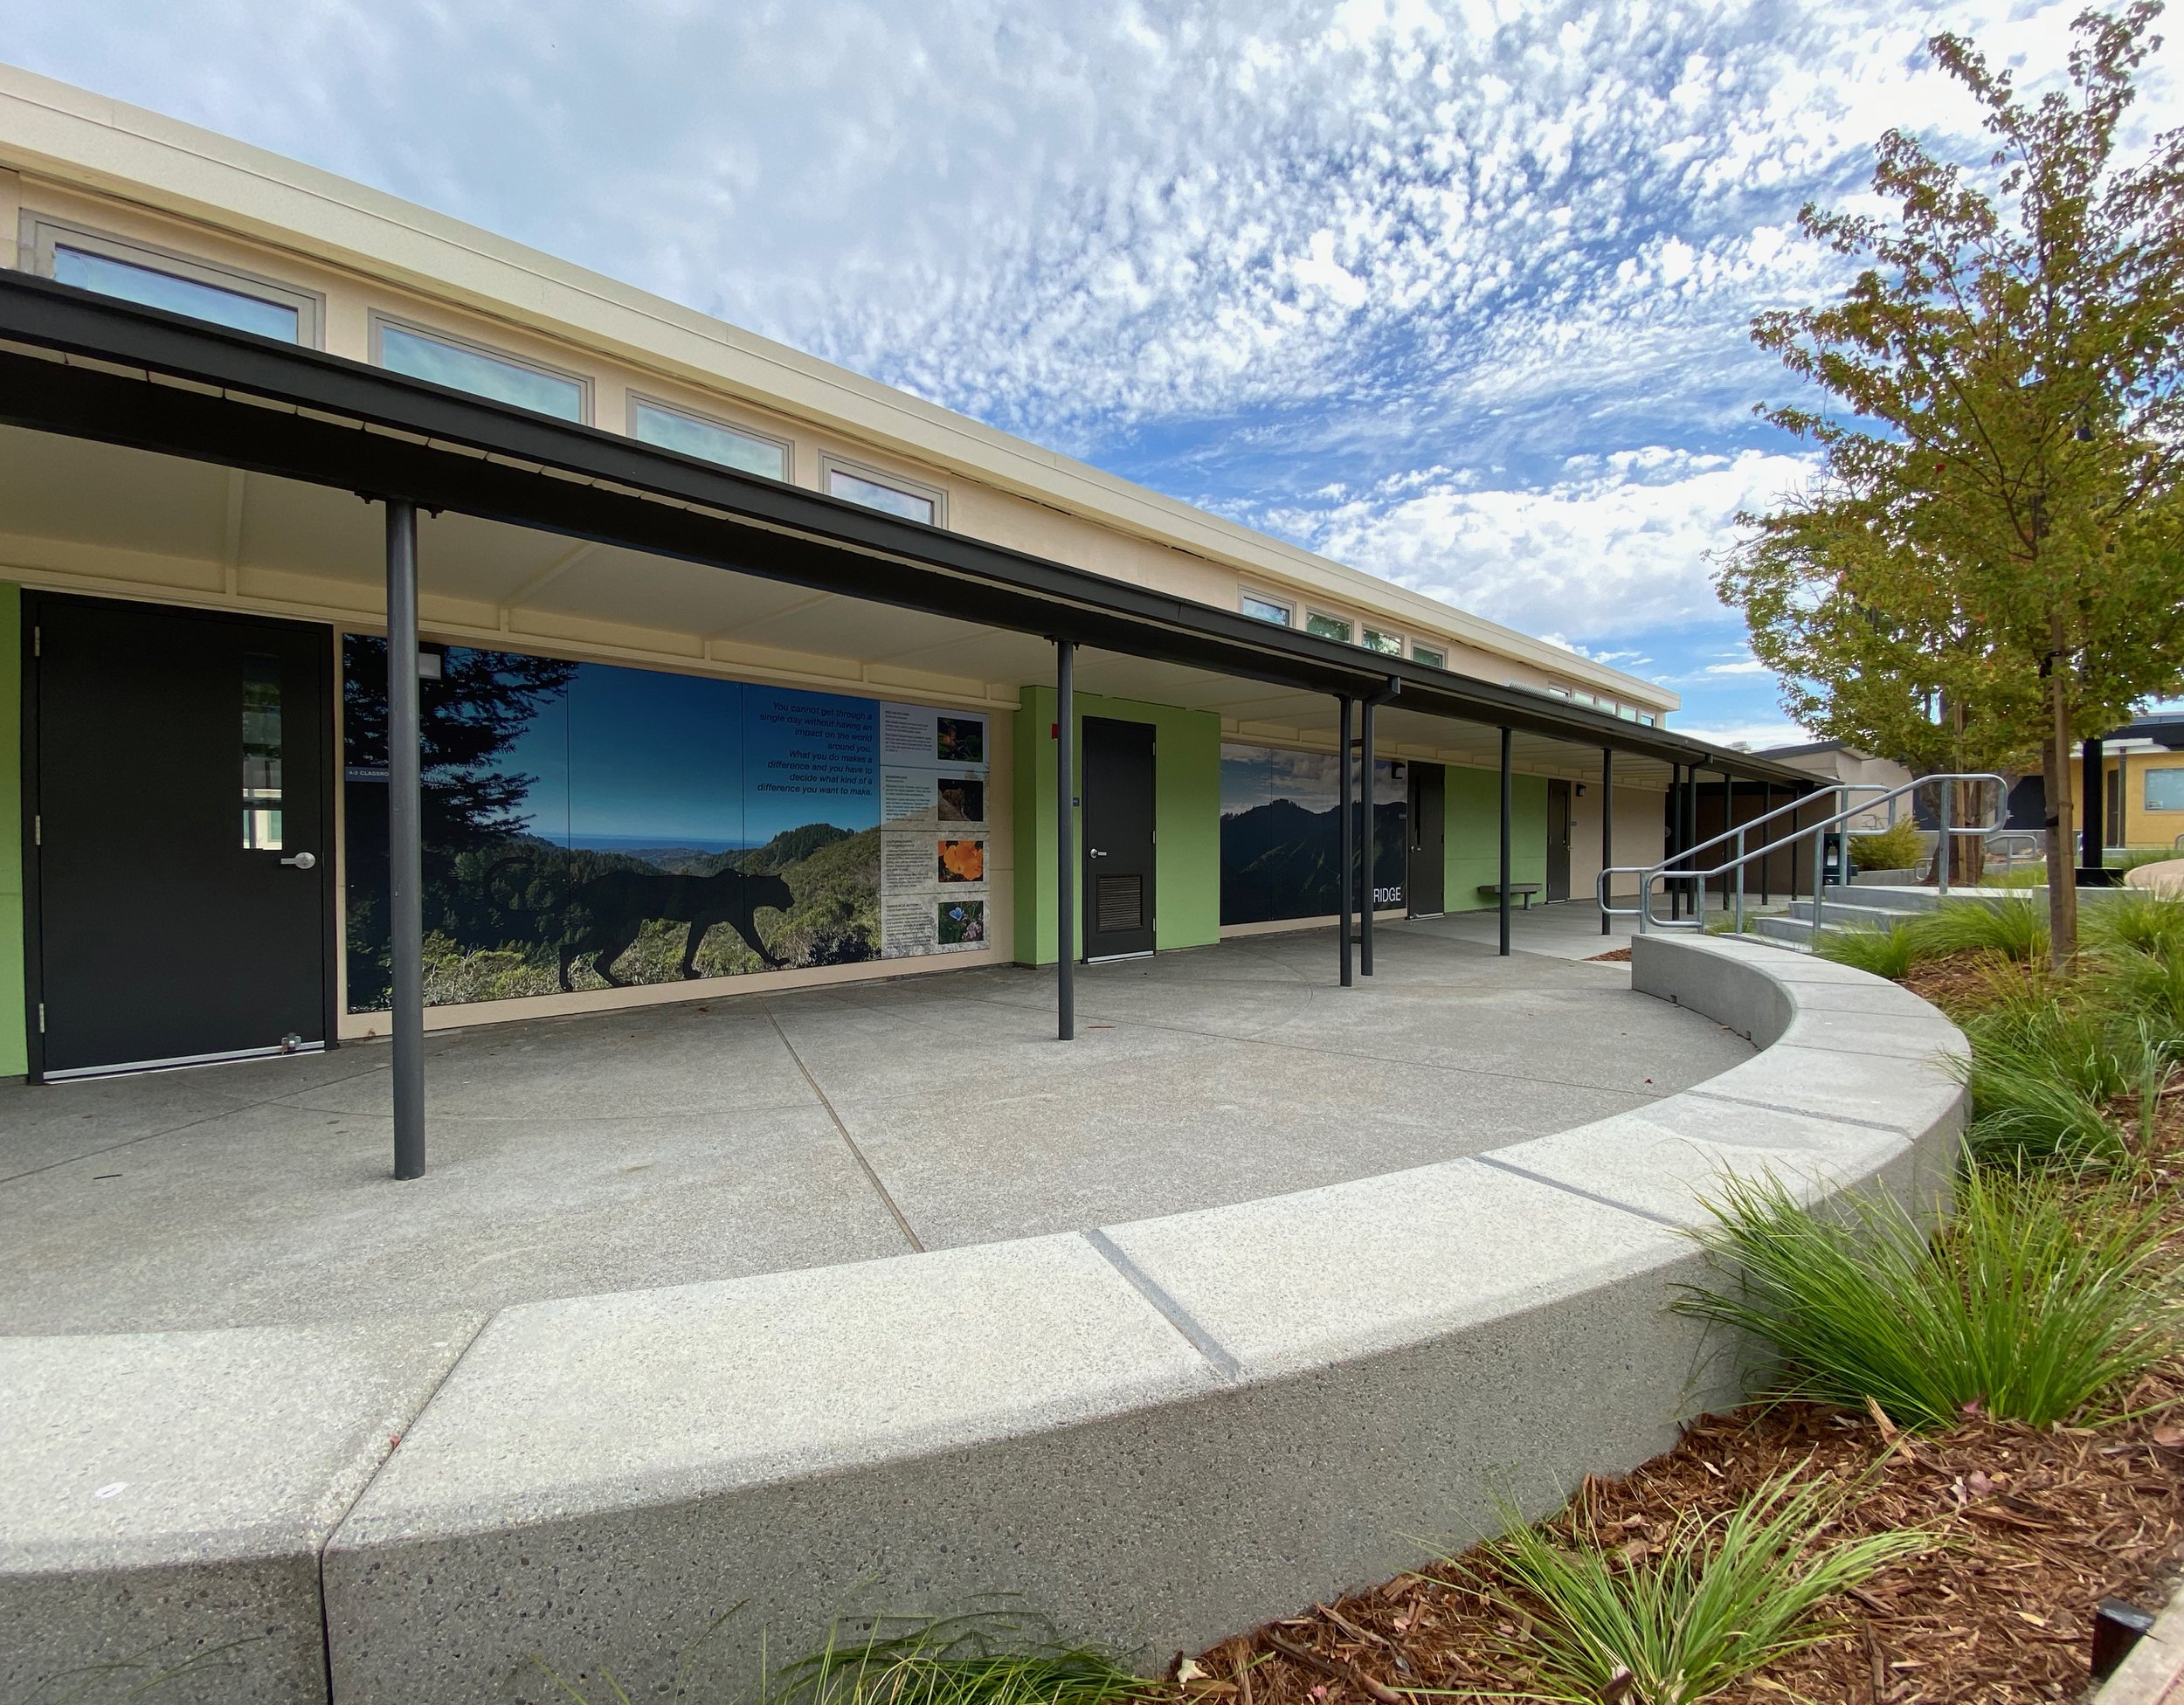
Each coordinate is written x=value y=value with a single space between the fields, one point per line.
x=718 y=666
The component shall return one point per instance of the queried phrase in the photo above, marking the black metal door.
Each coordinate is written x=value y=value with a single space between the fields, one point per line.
x=1557 y=840
x=181 y=844
x=1429 y=828
x=1118 y=889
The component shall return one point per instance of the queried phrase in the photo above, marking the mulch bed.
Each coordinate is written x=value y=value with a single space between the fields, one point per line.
x=1959 y=983
x=1618 y=957
x=2033 y=1528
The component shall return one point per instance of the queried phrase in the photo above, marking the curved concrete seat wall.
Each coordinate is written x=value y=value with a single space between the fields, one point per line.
x=1157 y=1433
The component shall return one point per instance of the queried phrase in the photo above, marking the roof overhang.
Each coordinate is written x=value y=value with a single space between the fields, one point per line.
x=89 y=367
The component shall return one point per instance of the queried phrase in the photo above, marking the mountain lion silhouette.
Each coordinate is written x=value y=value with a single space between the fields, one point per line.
x=602 y=916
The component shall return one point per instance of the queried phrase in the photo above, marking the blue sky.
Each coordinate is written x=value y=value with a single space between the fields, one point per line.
x=1456 y=293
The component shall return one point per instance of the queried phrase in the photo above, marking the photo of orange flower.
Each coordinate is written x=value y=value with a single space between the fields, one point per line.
x=963 y=862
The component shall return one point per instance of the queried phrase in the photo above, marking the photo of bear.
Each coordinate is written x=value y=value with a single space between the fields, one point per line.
x=961 y=800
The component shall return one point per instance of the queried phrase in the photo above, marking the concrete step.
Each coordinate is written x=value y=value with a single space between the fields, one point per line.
x=1845 y=914
x=1873 y=897
x=1759 y=934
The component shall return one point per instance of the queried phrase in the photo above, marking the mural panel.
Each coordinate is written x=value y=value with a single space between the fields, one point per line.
x=1280 y=838
x=588 y=826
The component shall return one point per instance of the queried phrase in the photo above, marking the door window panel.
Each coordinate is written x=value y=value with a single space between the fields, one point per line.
x=261 y=754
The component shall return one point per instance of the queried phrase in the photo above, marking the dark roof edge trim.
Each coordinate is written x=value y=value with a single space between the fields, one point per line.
x=1041 y=594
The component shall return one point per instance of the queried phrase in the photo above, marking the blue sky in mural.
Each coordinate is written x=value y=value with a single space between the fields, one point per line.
x=655 y=760
x=811 y=757
x=627 y=759
x=1454 y=291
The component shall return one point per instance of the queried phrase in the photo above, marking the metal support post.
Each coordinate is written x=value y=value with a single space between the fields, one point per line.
x=1767 y=863
x=1342 y=813
x=1729 y=791
x=1367 y=828
x=1608 y=827
x=1820 y=872
x=1065 y=840
x=1691 y=838
x=1508 y=804
x=2091 y=764
x=1677 y=842
x=405 y=842
x=1944 y=820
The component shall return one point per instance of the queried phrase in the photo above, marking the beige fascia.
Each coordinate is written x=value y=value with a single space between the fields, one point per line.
x=77 y=139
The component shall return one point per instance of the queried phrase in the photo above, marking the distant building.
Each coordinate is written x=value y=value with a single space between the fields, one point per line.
x=1833 y=763
x=2141 y=771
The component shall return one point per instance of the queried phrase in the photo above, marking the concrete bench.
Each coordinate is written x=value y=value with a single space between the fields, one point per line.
x=1526 y=890
x=594 y=1479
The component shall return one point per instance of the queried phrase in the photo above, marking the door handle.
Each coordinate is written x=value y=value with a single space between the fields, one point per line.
x=1095 y=852
x=301 y=861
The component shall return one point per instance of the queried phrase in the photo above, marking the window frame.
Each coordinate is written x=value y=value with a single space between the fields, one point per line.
x=1287 y=606
x=381 y=322
x=1402 y=642
x=636 y=399
x=41 y=235
x=1430 y=656
x=1349 y=625
x=830 y=464
x=2146 y=789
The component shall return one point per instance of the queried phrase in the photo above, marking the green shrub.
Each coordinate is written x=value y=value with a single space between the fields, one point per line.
x=2016 y=927
x=2029 y=1304
x=2023 y=1119
x=1889 y=952
x=2137 y=920
x=1899 y=846
x=1723 y=1596
x=2094 y=1047
x=2145 y=989
x=2034 y=875
x=989 y=1656
x=986 y=1657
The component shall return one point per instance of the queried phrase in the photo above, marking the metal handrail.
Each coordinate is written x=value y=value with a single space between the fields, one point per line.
x=1841 y=790
x=1650 y=876
x=2014 y=842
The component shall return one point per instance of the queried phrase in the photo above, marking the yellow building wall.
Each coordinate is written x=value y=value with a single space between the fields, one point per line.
x=2141 y=827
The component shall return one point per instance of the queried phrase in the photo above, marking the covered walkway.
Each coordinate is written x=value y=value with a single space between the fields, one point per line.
x=757 y=1133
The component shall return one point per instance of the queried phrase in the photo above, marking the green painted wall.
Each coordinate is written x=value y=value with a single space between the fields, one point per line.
x=14 y=1036
x=1475 y=834
x=1186 y=819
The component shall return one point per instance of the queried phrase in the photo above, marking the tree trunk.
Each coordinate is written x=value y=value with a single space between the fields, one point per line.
x=2054 y=765
x=1967 y=857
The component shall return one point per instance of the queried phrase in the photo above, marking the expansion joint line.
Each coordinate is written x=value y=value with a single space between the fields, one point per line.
x=1169 y=1309
x=901 y=1220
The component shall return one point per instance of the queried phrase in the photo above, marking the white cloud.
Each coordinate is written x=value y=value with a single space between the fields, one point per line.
x=1616 y=548
x=1753 y=736
x=1457 y=291
x=1074 y=220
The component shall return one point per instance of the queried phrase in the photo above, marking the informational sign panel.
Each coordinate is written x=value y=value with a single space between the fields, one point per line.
x=933 y=830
